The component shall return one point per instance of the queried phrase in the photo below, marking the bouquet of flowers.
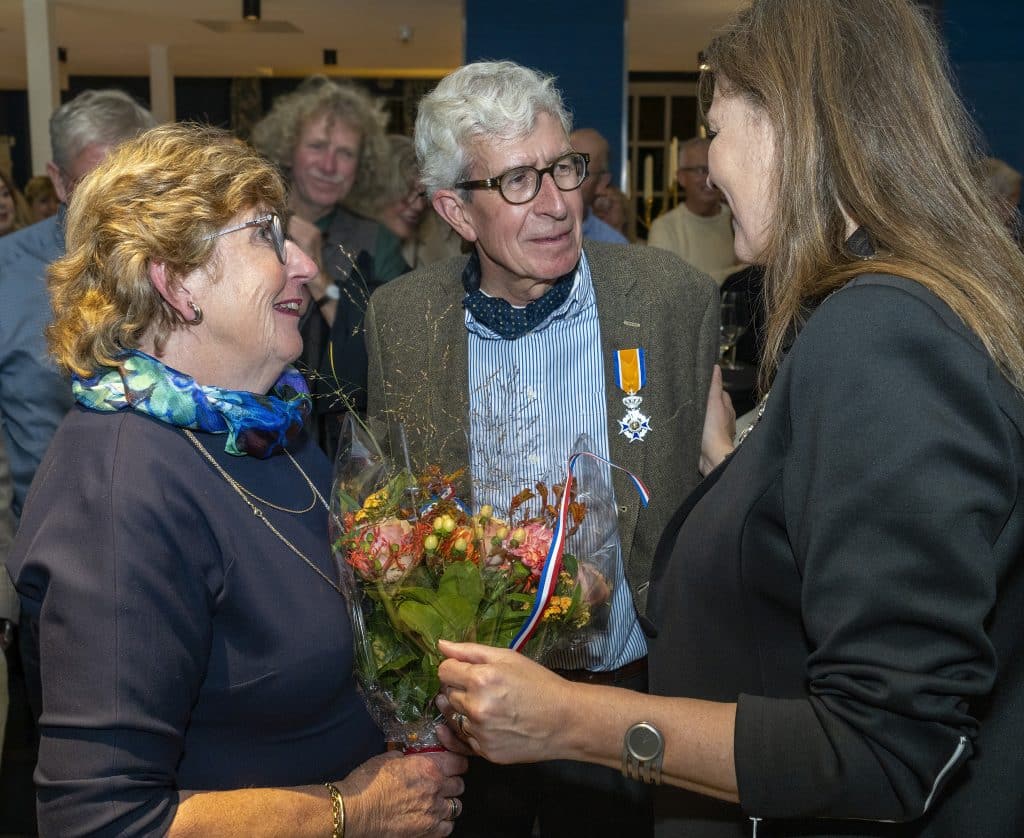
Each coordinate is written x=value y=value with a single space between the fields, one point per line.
x=417 y=566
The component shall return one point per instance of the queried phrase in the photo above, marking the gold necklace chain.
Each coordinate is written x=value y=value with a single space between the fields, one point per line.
x=313 y=496
x=243 y=492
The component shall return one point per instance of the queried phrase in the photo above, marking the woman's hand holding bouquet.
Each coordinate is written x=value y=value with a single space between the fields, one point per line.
x=420 y=568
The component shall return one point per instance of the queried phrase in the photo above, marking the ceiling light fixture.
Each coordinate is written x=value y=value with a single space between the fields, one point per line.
x=251 y=10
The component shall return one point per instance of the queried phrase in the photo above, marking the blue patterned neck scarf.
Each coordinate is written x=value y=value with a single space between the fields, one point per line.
x=260 y=426
x=500 y=316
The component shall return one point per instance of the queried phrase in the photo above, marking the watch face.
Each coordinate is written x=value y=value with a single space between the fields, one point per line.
x=644 y=742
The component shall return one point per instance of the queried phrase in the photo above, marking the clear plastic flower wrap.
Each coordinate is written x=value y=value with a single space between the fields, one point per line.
x=417 y=565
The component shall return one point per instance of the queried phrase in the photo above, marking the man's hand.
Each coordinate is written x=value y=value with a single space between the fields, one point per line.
x=719 y=426
x=307 y=236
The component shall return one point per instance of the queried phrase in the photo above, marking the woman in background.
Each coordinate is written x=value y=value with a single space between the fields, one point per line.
x=41 y=197
x=399 y=202
x=14 y=212
x=397 y=199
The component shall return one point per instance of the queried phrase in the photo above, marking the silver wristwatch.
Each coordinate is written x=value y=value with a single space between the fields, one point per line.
x=643 y=748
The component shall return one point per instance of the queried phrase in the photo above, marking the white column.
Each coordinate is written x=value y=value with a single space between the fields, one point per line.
x=43 y=81
x=161 y=84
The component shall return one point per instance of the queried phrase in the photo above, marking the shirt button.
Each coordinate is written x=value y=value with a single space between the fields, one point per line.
x=533 y=459
x=531 y=394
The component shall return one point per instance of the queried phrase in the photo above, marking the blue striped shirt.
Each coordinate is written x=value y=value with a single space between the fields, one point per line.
x=530 y=399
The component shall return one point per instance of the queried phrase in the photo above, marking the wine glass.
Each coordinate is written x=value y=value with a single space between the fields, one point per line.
x=733 y=325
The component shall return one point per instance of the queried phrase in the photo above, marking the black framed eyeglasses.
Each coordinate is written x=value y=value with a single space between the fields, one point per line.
x=521 y=184
x=271 y=228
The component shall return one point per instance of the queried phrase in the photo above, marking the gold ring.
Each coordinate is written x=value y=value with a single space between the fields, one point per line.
x=460 y=721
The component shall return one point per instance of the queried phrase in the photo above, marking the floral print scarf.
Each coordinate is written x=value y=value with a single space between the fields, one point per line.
x=259 y=426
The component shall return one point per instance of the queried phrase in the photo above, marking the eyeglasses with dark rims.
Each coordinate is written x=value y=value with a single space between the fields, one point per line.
x=521 y=184
x=271 y=228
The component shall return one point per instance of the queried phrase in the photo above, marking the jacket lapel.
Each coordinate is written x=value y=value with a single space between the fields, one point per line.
x=448 y=363
x=623 y=326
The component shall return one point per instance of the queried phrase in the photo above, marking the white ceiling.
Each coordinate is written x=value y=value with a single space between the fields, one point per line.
x=112 y=37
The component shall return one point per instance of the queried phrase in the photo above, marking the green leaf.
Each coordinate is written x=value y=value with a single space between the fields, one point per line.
x=423 y=618
x=390 y=649
x=448 y=612
x=346 y=503
x=414 y=694
x=458 y=597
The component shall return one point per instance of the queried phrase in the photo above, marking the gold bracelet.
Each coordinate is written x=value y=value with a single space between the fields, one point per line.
x=337 y=811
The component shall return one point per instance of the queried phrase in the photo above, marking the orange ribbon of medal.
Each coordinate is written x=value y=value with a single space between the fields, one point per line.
x=630 y=370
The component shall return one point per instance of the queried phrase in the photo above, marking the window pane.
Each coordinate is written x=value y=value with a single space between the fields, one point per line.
x=684 y=117
x=651 y=118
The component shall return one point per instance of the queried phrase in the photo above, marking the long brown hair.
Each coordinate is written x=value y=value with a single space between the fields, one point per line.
x=866 y=119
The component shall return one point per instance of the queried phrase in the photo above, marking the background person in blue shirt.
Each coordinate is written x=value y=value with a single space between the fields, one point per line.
x=589 y=141
x=33 y=396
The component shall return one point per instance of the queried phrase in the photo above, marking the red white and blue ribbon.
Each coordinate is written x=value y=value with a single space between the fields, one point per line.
x=553 y=562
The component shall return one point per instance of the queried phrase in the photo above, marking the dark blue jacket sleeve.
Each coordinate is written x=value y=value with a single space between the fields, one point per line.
x=126 y=570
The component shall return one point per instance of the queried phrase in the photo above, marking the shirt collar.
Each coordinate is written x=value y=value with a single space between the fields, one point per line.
x=580 y=297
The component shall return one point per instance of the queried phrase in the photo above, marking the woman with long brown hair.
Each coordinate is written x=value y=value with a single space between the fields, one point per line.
x=840 y=642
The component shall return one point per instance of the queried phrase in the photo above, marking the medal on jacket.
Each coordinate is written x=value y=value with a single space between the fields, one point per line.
x=631 y=376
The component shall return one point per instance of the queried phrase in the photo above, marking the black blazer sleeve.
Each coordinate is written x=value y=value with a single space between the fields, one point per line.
x=901 y=478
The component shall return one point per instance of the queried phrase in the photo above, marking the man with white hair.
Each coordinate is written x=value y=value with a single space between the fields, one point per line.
x=502 y=360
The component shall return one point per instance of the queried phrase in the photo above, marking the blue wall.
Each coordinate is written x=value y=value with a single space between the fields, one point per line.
x=582 y=43
x=986 y=46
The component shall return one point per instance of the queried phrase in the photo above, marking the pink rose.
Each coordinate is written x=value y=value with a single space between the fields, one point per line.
x=385 y=550
x=531 y=546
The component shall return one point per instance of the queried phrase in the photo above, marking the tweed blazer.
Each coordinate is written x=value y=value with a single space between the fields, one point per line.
x=419 y=367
